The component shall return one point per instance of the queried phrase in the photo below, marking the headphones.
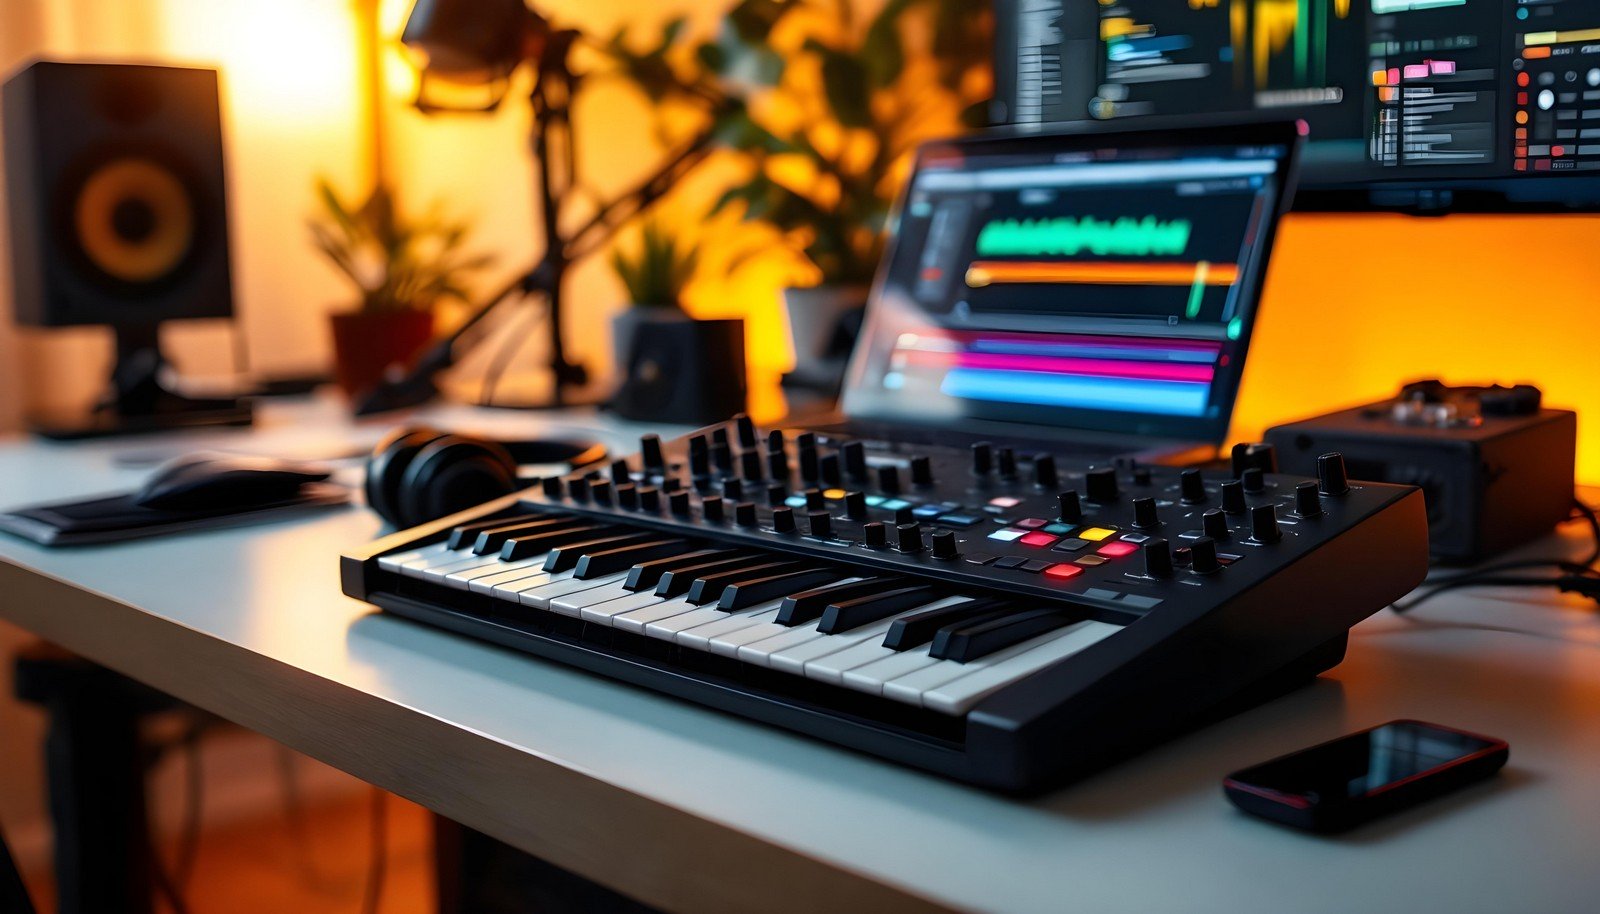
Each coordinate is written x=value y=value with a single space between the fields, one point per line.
x=416 y=475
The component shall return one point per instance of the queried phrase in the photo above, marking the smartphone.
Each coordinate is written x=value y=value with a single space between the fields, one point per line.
x=1356 y=778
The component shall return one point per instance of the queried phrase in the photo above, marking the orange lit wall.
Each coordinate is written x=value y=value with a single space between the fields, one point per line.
x=1356 y=304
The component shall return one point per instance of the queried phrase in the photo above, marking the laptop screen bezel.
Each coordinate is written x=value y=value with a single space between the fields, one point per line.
x=858 y=404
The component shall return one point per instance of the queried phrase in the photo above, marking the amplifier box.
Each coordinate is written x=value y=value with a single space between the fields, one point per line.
x=1496 y=469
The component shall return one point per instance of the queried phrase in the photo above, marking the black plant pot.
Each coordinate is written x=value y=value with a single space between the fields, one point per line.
x=682 y=371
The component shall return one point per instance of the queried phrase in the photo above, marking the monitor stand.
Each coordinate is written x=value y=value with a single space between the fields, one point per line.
x=136 y=401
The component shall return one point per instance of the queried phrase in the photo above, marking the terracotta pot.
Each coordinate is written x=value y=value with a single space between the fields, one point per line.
x=367 y=343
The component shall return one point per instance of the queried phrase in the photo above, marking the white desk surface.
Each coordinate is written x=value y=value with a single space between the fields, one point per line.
x=691 y=809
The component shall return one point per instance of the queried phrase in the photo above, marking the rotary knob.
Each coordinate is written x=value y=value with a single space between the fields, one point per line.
x=750 y=464
x=889 y=479
x=578 y=489
x=628 y=497
x=1331 y=476
x=732 y=488
x=552 y=488
x=1145 y=514
x=744 y=514
x=1191 y=487
x=1307 y=500
x=678 y=503
x=1254 y=480
x=1101 y=485
x=1203 y=556
x=1233 y=497
x=777 y=493
x=855 y=505
x=711 y=509
x=815 y=501
x=1214 y=524
x=982 y=458
x=1069 y=508
x=746 y=430
x=908 y=537
x=783 y=519
x=821 y=524
x=1008 y=463
x=650 y=452
x=600 y=491
x=620 y=474
x=699 y=457
x=828 y=469
x=944 y=545
x=1157 y=558
x=650 y=499
x=1044 y=471
x=921 y=471
x=855 y=460
x=1264 y=524
x=874 y=535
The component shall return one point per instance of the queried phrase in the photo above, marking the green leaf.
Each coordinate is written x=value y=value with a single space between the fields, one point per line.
x=845 y=84
x=882 y=50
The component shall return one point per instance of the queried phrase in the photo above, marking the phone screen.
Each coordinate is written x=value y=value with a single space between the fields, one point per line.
x=1364 y=763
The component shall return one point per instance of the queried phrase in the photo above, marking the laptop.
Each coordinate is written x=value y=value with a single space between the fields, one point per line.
x=1089 y=290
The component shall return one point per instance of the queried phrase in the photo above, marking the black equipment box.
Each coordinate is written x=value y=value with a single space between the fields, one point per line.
x=1495 y=466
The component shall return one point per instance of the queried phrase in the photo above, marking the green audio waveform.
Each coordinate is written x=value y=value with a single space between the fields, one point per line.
x=1066 y=236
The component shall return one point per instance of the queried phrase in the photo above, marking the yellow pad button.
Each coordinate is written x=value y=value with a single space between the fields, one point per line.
x=1095 y=534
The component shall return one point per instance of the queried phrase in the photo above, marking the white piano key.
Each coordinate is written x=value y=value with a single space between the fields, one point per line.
x=667 y=629
x=439 y=559
x=728 y=643
x=604 y=613
x=393 y=561
x=700 y=636
x=440 y=573
x=759 y=652
x=488 y=583
x=573 y=604
x=467 y=577
x=540 y=597
x=870 y=677
x=831 y=668
x=958 y=695
x=636 y=620
x=512 y=590
x=910 y=687
x=796 y=659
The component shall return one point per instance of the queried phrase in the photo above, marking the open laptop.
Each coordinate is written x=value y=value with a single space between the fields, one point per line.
x=1090 y=289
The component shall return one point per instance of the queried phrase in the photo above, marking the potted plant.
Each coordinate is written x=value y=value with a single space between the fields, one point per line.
x=402 y=270
x=664 y=355
x=829 y=108
x=654 y=275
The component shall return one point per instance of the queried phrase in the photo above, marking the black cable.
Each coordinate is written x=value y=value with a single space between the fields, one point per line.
x=516 y=337
x=1575 y=576
x=194 y=799
x=378 y=862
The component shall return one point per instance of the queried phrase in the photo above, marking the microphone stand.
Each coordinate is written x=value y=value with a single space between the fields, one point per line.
x=555 y=152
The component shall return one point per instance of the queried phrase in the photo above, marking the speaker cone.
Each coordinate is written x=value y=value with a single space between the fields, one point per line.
x=135 y=220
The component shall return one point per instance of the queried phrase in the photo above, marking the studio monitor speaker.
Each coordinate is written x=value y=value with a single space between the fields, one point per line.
x=116 y=191
x=118 y=214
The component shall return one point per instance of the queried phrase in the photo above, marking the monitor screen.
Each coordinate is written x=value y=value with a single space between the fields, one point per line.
x=1413 y=104
x=1101 y=280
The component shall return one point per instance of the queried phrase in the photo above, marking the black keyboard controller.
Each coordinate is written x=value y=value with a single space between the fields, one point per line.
x=1007 y=619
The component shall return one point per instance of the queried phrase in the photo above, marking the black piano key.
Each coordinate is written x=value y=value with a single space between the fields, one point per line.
x=646 y=575
x=707 y=588
x=677 y=582
x=964 y=643
x=851 y=614
x=491 y=540
x=622 y=558
x=919 y=628
x=751 y=593
x=466 y=534
x=525 y=547
x=807 y=606
x=566 y=556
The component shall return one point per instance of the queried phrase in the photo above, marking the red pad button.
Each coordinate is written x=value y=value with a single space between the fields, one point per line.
x=1062 y=572
x=1117 y=550
x=1038 y=539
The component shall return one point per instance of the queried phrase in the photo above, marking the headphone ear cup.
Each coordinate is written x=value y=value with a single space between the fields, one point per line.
x=453 y=473
x=386 y=468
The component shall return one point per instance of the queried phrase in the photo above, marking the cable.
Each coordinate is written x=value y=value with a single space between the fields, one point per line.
x=516 y=337
x=171 y=885
x=1579 y=577
x=378 y=862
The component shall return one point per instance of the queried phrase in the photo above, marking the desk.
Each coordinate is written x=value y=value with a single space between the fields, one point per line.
x=689 y=809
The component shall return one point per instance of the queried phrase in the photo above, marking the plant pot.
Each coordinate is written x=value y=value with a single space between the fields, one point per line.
x=366 y=344
x=823 y=324
x=625 y=326
x=677 y=369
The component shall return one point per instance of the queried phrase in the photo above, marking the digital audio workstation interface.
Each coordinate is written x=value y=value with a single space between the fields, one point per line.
x=1106 y=288
x=1394 y=90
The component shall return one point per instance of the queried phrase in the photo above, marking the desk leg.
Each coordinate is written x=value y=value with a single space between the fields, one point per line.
x=96 y=781
x=478 y=875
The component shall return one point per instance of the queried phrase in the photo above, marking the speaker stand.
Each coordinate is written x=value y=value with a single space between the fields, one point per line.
x=137 y=402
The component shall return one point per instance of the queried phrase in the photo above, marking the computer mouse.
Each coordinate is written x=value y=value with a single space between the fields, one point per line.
x=212 y=481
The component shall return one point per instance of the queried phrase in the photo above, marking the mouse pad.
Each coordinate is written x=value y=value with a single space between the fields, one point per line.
x=114 y=518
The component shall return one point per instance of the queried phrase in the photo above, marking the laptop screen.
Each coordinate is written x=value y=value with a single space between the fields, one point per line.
x=1089 y=280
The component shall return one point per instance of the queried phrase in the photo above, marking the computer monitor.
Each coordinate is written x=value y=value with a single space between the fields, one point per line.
x=1477 y=105
x=1095 y=279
